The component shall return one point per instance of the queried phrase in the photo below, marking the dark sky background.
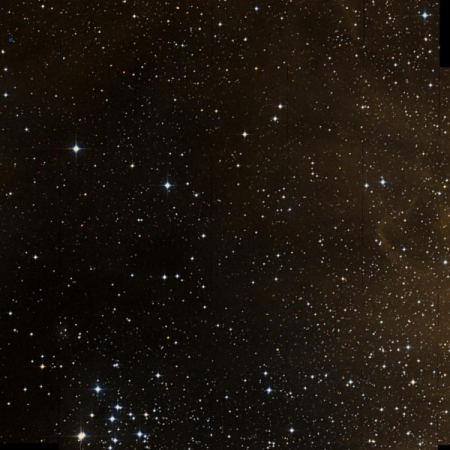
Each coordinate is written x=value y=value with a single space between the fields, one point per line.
x=249 y=249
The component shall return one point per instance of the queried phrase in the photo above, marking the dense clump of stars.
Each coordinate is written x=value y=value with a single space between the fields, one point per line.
x=224 y=225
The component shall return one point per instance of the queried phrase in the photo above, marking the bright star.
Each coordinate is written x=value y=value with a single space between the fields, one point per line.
x=245 y=134
x=167 y=185
x=81 y=436
x=76 y=149
x=97 y=389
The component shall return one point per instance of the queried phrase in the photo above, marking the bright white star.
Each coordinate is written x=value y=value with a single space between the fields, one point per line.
x=81 y=436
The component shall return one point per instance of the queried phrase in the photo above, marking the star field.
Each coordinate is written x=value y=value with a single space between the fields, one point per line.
x=224 y=225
